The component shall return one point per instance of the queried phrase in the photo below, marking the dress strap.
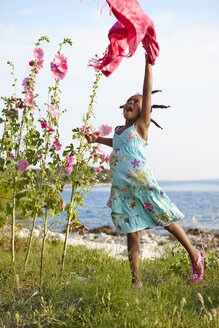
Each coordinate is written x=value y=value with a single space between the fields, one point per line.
x=117 y=128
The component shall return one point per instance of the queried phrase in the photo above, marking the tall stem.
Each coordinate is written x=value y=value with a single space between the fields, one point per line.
x=71 y=212
x=13 y=221
x=43 y=247
x=30 y=241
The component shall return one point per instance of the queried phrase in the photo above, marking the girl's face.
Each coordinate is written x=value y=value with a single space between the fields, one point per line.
x=132 y=108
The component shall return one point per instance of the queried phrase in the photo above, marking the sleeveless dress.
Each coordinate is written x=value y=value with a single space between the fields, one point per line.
x=136 y=200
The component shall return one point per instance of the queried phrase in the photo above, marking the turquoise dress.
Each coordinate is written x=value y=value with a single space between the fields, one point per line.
x=136 y=200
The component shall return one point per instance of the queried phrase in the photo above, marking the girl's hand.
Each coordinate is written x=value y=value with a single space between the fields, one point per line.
x=91 y=137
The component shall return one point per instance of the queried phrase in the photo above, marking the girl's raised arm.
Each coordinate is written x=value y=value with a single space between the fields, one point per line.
x=144 y=119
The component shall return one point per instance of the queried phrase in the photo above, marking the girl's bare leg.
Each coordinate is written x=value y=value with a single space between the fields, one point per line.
x=176 y=230
x=133 y=240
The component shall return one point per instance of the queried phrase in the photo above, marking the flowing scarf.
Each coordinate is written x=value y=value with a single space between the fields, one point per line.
x=133 y=26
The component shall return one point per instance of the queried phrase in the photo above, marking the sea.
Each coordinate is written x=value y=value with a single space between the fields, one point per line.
x=198 y=200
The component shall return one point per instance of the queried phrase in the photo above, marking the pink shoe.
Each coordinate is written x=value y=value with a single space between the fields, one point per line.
x=197 y=270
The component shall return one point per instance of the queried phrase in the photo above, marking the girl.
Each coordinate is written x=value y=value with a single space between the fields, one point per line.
x=137 y=202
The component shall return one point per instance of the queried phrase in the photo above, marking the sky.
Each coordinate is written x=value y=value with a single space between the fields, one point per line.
x=187 y=71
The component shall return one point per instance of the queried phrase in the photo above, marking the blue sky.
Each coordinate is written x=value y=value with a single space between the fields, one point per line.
x=187 y=70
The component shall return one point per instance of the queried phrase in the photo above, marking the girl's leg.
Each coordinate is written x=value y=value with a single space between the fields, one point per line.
x=133 y=240
x=181 y=236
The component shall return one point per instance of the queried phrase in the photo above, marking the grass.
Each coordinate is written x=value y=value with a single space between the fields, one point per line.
x=104 y=298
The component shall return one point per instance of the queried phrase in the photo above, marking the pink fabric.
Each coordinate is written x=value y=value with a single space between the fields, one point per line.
x=133 y=26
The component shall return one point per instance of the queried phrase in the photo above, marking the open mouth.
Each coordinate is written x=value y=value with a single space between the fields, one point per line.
x=129 y=109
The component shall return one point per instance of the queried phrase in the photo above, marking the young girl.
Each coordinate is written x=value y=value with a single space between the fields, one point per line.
x=137 y=202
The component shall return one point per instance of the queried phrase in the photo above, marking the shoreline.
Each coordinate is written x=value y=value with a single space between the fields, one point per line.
x=152 y=246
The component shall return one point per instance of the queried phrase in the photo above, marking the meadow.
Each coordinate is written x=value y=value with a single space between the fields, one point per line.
x=96 y=291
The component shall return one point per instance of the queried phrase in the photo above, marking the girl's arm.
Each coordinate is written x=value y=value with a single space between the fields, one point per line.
x=91 y=138
x=144 y=119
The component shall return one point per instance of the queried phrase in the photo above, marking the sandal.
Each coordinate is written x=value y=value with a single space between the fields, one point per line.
x=198 y=271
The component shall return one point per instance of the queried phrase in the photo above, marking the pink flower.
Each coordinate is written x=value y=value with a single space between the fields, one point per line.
x=59 y=67
x=69 y=169
x=105 y=130
x=22 y=165
x=98 y=170
x=95 y=155
x=98 y=146
x=40 y=156
x=59 y=60
x=26 y=83
x=92 y=269
x=30 y=99
x=70 y=160
x=38 y=54
x=62 y=205
x=44 y=125
x=57 y=145
x=39 y=64
x=53 y=111
x=51 y=130
x=12 y=156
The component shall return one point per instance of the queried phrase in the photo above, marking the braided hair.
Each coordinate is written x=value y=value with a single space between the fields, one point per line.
x=152 y=107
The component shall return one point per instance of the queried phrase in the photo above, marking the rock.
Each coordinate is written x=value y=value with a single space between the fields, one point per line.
x=106 y=229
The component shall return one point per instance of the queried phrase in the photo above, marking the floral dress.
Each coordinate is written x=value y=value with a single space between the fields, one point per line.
x=137 y=201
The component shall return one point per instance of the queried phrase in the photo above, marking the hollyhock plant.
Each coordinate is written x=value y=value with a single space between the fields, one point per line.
x=53 y=111
x=57 y=145
x=105 y=130
x=22 y=165
x=51 y=130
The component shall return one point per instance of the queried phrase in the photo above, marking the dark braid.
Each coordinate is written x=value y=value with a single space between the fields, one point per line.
x=152 y=107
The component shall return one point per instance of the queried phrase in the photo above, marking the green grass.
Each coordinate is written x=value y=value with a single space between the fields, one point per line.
x=104 y=298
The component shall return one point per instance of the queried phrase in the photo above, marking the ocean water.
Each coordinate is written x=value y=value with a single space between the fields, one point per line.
x=194 y=198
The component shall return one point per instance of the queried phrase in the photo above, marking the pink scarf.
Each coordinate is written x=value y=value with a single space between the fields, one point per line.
x=133 y=26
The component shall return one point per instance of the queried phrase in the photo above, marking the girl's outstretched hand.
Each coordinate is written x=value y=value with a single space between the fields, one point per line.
x=91 y=137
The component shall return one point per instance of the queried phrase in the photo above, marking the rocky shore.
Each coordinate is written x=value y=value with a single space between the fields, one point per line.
x=151 y=246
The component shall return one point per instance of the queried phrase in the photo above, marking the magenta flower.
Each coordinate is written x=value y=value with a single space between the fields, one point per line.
x=51 y=130
x=105 y=130
x=40 y=156
x=59 y=67
x=12 y=156
x=69 y=169
x=22 y=165
x=53 y=111
x=44 y=125
x=57 y=145
x=92 y=269
x=32 y=63
x=98 y=170
x=20 y=105
x=38 y=54
x=26 y=83
x=70 y=160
